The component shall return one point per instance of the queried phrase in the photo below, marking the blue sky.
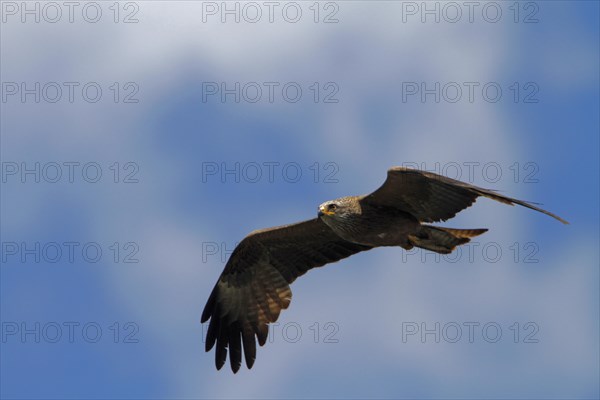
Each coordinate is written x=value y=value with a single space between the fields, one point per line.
x=96 y=326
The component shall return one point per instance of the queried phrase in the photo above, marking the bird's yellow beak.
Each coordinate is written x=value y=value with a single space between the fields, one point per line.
x=325 y=211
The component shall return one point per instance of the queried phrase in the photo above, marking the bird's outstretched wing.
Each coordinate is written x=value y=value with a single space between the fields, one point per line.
x=254 y=286
x=431 y=197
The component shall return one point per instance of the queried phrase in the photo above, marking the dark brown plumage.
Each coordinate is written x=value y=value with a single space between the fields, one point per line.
x=254 y=286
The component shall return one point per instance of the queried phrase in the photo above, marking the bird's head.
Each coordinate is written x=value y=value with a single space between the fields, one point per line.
x=337 y=209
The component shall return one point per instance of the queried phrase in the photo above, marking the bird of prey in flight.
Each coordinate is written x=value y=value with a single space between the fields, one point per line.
x=254 y=286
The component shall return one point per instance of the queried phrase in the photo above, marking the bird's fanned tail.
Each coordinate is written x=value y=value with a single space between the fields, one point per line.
x=442 y=240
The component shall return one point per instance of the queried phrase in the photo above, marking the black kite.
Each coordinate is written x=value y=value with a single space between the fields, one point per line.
x=254 y=286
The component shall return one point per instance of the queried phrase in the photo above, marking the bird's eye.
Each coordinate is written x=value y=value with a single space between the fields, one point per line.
x=331 y=207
